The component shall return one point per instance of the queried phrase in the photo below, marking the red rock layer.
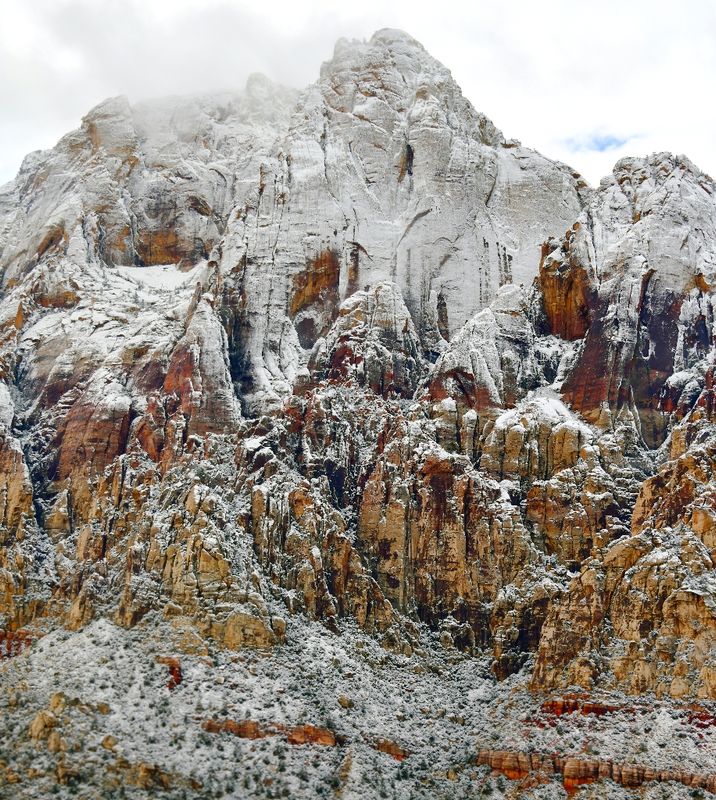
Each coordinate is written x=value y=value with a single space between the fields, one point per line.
x=570 y=704
x=298 y=734
x=13 y=643
x=566 y=291
x=249 y=729
x=576 y=772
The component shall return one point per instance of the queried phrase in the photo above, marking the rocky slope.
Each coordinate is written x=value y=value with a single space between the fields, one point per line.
x=339 y=421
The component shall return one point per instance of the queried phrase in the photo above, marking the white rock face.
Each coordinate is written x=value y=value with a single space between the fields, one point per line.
x=656 y=213
x=150 y=184
x=647 y=244
x=384 y=172
x=387 y=173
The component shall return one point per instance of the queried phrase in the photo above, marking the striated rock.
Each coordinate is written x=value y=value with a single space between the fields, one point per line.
x=647 y=241
x=577 y=772
x=315 y=297
x=24 y=549
x=535 y=441
x=682 y=491
x=641 y=619
x=570 y=704
x=16 y=491
x=198 y=375
x=317 y=563
x=96 y=428
x=569 y=481
x=244 y=630
x=445 y=542
x=642 y=614
x=373 y=342
x=386 y=173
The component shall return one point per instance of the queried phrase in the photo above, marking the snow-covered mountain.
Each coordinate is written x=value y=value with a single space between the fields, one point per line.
x=348 y=448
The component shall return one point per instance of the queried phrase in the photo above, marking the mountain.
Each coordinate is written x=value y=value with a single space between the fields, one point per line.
x=349 y=448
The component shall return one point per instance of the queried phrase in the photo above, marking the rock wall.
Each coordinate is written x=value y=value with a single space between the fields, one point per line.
x=346 y=369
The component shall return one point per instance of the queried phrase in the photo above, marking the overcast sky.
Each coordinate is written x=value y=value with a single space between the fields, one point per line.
x=583 y=82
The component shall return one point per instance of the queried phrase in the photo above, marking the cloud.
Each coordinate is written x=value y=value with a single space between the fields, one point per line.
x=545 y=73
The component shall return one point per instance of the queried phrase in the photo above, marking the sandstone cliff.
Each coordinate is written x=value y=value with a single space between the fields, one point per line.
x=349 y=377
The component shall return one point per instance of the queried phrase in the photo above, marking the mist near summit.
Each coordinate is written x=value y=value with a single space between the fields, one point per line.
x=585 y=84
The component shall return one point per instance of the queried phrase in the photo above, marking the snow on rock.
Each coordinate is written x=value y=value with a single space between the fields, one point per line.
x=633 y=271
x=493 y=362
x=386 y=173
x=373 y=341
x=145 y=185
x=296 y=458
x=163 y=277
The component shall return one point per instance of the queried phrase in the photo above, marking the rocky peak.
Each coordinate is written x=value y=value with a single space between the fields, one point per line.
x=630 y=277
x=149 y=184
x=387 y=173
x=395 y=69
x=657 y=213
x=109 y=125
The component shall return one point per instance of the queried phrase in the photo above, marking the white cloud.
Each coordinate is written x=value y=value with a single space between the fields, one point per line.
x=556 y=75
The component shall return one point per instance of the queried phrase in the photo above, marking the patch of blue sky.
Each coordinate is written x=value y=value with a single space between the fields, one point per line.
x=599 y=142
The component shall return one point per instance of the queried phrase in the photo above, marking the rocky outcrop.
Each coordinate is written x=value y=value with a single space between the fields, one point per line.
x=386 y=173
x=198 y=378
x=445 y=544
x=25 y=548
x=641 y=619
x=566 y=288
x=640 y=614
x=577 y=772
x=248 y=729
x=14 y=643
x=544 y=454
x=15 y=487
x=491 y=363
x=681 y=493
x=298 y=735
x=373 y=342
x=646 y=241
x=96 y=428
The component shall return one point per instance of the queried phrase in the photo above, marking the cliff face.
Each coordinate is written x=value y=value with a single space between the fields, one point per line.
x=645 y=245
x=386 y=173
x=350 y=361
